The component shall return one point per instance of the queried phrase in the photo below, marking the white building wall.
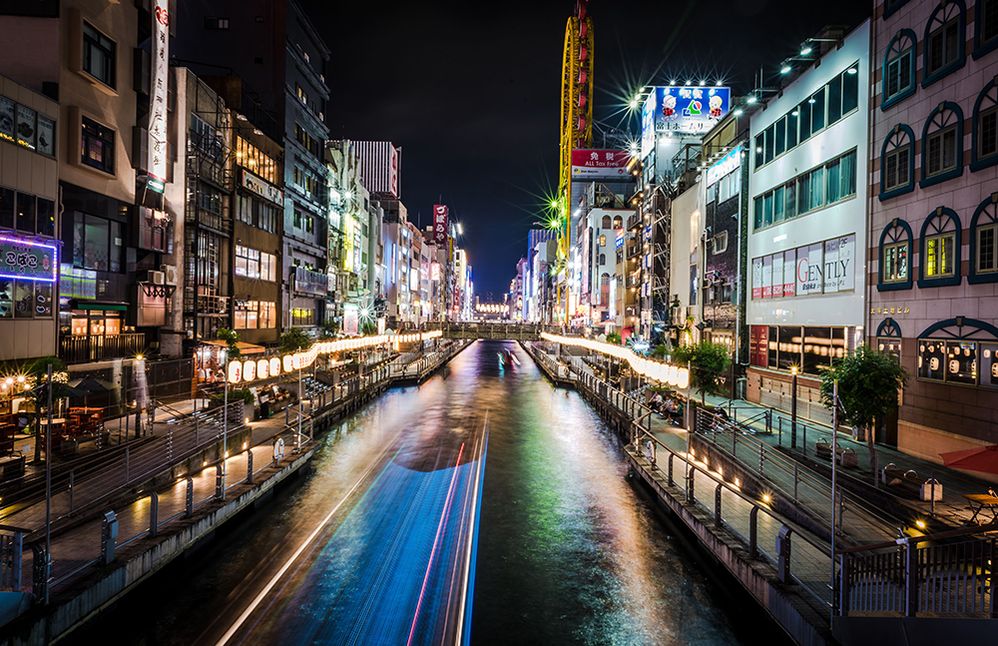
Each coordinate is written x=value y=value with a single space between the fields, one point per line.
x=843 y=218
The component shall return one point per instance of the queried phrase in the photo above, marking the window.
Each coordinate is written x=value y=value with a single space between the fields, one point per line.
x=985 y=27
x=898 y=80
x=817 y=188
x=605 y=224
x=719 y=242
x=251 y=157
x=221 y=24
x=25 y=212
x=942 y=145
x=897 y=163
x=889 y=338
x=6 y=208
x=817 y=102
x=205 y=138
x=944 y=41
x=256 y=212
x=97 y=146
x=940 y=261
x=602 y=238
x=25 y=299
x=308 y=142
x=984 y=147
x=99 y=54
x=826 y=106
x=97 y=243
x=252 y=263
x=895 y=257
x=984 y=242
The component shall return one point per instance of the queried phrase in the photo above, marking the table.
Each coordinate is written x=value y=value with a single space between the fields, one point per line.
x=981 y=501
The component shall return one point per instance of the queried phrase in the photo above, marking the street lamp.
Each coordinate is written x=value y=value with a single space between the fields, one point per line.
x=793 y=407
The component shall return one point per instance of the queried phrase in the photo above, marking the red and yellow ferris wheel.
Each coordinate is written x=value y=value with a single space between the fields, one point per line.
x=576 y=117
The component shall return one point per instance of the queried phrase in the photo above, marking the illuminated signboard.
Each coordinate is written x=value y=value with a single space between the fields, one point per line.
x=158 y=94
x=588 y=164
x=28 y=260
x=441 y=214
x=683 y=110
x=725 y=165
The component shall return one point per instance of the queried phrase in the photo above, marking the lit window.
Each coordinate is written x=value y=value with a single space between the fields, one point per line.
x=96 y=145
x=895 y=256
x=940 y=252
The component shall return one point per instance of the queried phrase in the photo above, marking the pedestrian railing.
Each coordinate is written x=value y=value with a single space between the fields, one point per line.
x=797 y=557
x=951 y=574
x=808 y=491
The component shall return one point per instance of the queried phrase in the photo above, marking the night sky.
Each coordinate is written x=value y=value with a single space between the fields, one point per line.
x=471 y=90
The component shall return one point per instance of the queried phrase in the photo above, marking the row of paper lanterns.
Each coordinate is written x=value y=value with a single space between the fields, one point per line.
x=257 y=369
x=676 y=376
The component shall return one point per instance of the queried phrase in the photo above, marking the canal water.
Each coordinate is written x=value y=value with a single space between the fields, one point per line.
x=378 y=543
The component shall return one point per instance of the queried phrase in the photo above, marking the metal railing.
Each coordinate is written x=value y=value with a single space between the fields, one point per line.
x=954 y=576
x=798 y=557
x=82 y=349
x=809 y=492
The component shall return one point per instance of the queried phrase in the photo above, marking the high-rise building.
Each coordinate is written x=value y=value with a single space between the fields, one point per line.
x=933 y=260
x=808 y=219
x=108 y=66
x=276 y=60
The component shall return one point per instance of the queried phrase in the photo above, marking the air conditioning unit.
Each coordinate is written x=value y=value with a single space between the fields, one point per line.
x=155 y=277
x=169 y=274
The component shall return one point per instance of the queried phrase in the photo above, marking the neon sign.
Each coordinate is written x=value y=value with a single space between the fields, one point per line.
x=28 y=260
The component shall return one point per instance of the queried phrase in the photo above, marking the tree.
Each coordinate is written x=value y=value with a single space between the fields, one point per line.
x=613 y=338
x=231 y=338
x=37 y=373
x=660 y=351
x=868 y=391
x=294 y=340
x=707 y=361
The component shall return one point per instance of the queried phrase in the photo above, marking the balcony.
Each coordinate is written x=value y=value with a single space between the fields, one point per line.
x=83 y=349
x=307 y=281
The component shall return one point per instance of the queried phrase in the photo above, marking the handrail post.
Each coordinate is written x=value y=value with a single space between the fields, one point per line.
x=783 y=554
x=249 y=465
x=671 y=455
x=910 y=579
x=843 y=610
x=753 y=532
x=717 y=504
x=690 y=481
x=189 y=498
x=796 y=477
x=153 y=513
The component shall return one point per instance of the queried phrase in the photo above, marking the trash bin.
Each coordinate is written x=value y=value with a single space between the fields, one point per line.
x=932 y=489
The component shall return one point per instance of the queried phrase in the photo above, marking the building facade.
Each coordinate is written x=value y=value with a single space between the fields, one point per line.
x=933 y=175
x=808 y=219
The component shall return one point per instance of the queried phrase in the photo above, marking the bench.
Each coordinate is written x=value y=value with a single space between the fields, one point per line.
x=846 y=456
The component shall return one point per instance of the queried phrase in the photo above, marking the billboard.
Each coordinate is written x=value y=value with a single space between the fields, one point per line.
x=28 y=260
x=440 y=216
x=599 y=164
x=158 y=87
x=688 y=110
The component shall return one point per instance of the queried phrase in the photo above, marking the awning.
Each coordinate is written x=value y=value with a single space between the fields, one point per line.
x=242 y=346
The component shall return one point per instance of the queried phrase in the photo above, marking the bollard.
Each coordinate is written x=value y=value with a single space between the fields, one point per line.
x=189 y=499
x=108 y=537
x=153 y=513
x=783 y=554
x=249 y=465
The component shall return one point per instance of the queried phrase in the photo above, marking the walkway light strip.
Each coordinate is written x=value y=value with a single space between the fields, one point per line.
x=250 y=369
x=676 y=376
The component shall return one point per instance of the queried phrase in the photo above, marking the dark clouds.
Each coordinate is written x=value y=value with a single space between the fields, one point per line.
x=470 y=90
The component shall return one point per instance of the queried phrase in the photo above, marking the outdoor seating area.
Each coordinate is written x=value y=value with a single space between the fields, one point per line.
x=983 y=502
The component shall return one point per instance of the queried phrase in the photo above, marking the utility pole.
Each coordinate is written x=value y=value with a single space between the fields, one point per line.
x=48 y=487
x=835 y=454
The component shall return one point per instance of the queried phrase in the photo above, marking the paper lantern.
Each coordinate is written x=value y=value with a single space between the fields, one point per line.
x=235 y=372
x=262 y=369
x=275 y=366
x=249 y=370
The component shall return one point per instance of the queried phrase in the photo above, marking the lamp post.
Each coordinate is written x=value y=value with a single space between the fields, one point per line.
x=48 y=486
x=793 y=407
